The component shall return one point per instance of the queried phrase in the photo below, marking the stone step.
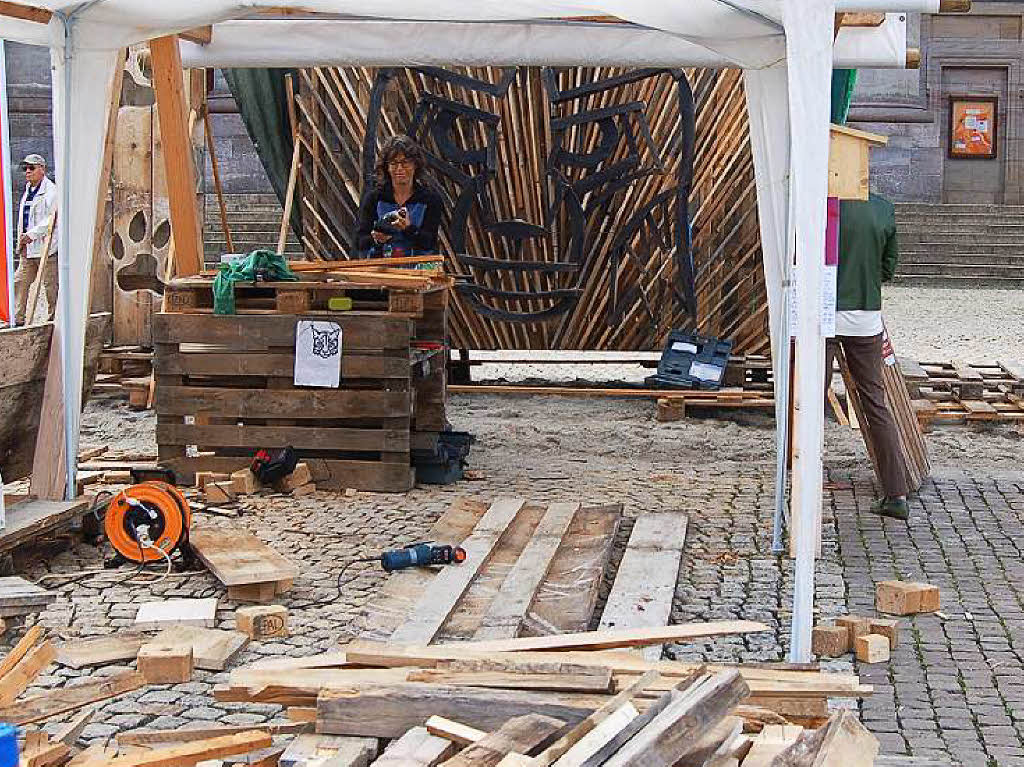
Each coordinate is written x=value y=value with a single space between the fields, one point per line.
x=959 y=240
x=955 y=208
x=976 y=259
x=963 y=270
x=960 y=283
x=967 y=220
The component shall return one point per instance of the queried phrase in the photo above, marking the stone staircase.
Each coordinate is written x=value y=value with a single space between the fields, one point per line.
x=960 y=245
x=254 y=220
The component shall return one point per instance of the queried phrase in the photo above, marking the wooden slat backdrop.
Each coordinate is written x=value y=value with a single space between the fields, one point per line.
x=333 y=107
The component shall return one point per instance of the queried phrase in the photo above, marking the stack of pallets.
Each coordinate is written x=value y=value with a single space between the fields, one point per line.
x=225 y=383
x=957 y=392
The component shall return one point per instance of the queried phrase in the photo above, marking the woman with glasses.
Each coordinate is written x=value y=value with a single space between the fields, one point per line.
x=400 y=214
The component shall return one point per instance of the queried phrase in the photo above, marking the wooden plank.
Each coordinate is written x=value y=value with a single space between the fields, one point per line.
x=29 y=519
x=509 y=606
x=258 y=403
x=54 y=702
x=212 y=649
x=273 y=364
x=153 y=737
x=70 y=732
x=605 y=639
x=843 y=740
x=719 y=398
x=168 y=84
x=434 y=607
x=557 y=750
x=17 y=592
x=190 y=753
x=456 y=732
x=585 y=682
x=25 y=12
x=239 y=333
x=387 y=711
x=18 y=679
x=770 y=742
x=518 y=735
x=99 y=651
x=601 y=735
x=312 y=750
x=565 y=600
x=674 y=732
x=192 y=612
x=21 y=649
x=646 y=580
x=299 y=437
x=417 y=748
x=237 y=557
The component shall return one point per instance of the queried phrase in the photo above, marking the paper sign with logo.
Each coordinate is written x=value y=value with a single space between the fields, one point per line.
x=317 y=354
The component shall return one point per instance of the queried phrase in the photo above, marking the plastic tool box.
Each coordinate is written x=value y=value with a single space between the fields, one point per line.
x=690 y=361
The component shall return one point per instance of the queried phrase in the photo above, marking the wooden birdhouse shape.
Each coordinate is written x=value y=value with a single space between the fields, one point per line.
x=848 y=161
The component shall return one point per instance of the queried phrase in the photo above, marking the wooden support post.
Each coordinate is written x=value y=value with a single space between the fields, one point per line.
x=208 y=130
x=181 y=176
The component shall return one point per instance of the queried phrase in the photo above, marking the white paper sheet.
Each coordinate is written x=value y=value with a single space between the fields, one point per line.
x=317 y=354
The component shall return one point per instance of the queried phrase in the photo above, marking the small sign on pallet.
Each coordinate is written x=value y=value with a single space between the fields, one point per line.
x=317 y=354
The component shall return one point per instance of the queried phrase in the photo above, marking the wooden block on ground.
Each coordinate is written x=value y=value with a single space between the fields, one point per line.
x=518 y=735
x=163 y=663
x=188 y=612
x=308 y=750
x=308 y=489
x=220 y=492
x=99 y=651
x=301 y=476
x=417 y=748
x=262 y=621
x=212 y=649
x=855 y=626
x=872 y=648
x=244 y=482
x=254 y=592
x=906 y=597
x=203 y=478
x=830 y=641
x=671 y=409
x=889 y=628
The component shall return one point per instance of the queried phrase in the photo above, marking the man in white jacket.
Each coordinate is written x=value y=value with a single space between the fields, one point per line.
x=37 y=209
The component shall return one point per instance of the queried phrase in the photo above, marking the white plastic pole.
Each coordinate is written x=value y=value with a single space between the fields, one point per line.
x=5 y=157
x=809 y=36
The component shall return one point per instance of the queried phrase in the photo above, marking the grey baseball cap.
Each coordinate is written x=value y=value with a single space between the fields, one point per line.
x=34 y=159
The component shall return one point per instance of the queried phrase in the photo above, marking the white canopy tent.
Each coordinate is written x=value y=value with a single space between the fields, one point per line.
x=786 y=48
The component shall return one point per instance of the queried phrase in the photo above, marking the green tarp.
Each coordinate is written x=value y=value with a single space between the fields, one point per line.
x=843 y=83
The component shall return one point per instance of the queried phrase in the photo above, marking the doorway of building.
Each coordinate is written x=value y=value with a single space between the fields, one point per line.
x=974 y=180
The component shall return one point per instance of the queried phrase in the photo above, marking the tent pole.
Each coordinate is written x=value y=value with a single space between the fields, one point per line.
x=5 y=142
x=782 y=418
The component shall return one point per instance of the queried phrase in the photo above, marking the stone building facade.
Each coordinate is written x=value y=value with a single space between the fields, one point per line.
x=978 y=54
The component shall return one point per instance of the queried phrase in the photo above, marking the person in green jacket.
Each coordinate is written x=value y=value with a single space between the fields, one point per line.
x=868 y=255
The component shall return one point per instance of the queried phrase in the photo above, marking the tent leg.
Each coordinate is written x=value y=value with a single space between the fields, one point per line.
x=782 y=430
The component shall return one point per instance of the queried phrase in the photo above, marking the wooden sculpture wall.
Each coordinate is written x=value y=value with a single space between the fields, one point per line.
x=505 y=145
x=140 y=230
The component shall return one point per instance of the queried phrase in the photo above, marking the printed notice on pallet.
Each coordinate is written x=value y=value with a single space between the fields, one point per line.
x=317 y=354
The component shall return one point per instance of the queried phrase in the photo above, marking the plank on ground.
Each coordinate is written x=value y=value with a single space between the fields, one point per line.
x=60 y=701
x=31 y=518
x=646 y=580
x=237 y=557
x=152 y=737
x=190 y=753
x=212 y=649
x=99 y=651
x=444 y=591
x=18 y=679
x=510 y=605
x=417 y=748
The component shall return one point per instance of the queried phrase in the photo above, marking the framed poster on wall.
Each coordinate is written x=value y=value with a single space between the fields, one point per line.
x=973 y=127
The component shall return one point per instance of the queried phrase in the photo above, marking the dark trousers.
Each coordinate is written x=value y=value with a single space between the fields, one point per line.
x=864 y=359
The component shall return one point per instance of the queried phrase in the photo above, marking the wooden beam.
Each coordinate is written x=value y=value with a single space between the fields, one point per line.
x=190 y=753
x=850 y=19
x=168 y=83
x=25 y=12
x=21 y=649
x=518 y=735
x=60 y=701
x=199 y=35
x=16 y=681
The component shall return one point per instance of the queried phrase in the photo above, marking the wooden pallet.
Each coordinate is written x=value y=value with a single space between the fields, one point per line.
x=232 y=376
x=310 y=294
x=31 y=519
x=956 y=392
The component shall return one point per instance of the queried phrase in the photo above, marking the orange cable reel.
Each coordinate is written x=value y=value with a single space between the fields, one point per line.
x=146 y=519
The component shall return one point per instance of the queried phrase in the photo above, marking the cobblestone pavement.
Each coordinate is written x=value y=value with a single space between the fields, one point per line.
x=954 y=686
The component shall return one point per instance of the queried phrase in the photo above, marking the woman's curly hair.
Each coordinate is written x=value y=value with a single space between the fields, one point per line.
x=399 y=145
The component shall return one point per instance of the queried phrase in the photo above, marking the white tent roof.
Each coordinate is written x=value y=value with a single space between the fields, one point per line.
x=786 y=46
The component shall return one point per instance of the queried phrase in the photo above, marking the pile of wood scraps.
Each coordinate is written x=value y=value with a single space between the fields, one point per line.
x=126 y=371
x=956 y=392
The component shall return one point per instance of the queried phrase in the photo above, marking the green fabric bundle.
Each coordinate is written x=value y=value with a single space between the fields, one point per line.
x=272 y=267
